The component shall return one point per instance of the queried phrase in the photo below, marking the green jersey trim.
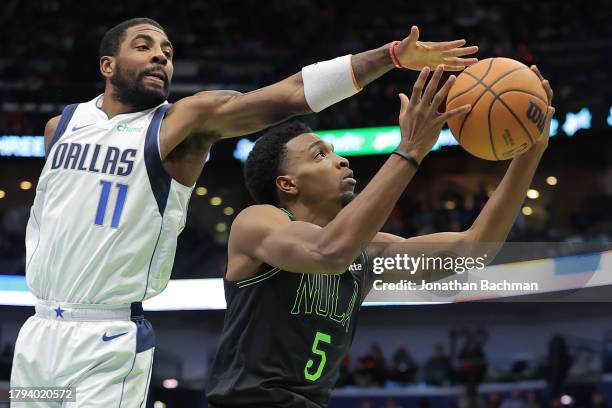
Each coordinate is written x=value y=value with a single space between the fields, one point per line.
x=258 y=278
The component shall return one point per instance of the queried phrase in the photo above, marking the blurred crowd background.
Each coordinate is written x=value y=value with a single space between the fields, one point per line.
x=50 y=60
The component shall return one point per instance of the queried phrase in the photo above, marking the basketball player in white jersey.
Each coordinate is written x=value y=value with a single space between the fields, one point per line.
x=112 y=199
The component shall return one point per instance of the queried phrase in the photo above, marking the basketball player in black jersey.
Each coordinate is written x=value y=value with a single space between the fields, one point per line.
x=298 y=262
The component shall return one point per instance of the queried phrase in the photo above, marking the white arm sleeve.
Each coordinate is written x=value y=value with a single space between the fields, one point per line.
x=328 y=82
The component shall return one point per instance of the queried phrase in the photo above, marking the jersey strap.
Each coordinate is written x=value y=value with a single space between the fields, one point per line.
x=61 y=126
x=158 y=177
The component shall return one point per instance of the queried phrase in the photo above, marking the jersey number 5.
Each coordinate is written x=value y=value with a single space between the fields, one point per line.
x=320 y=337
x=103 y=203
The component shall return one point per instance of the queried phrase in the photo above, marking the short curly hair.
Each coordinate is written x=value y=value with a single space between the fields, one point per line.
x=265 y=161
x=109 y=46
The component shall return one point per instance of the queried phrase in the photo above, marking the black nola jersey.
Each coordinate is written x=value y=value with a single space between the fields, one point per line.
x=284 y=337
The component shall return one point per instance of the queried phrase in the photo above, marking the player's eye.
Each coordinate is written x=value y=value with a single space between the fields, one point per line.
x=168 y=54
x=142 y=47
x=320 y=154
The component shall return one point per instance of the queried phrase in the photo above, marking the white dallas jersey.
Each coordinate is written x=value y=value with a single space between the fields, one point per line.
x=106 y=217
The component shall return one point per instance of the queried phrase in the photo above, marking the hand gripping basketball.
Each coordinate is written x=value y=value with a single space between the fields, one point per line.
x=419 y=119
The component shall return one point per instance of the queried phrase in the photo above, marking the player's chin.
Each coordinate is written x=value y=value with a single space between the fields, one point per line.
x=347 y=197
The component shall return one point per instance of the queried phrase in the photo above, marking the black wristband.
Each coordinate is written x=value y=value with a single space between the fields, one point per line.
x=408 y=157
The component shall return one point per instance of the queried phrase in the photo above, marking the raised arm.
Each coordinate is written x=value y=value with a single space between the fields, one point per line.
x=223 y=114
x=498 y=215
x=264 y=232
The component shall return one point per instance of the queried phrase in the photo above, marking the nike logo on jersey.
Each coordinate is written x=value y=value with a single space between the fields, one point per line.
x=109 y=338
x=75 y=127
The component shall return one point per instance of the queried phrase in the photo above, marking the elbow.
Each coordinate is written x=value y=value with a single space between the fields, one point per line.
x=332 y=261
x=474 y=246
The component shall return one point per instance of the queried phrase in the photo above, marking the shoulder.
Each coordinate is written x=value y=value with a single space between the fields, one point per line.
x=50 y=129
x=195 y=115
x=262 y=217
x=249 y=230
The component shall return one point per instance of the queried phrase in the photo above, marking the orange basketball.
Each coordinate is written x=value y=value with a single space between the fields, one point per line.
x=508 y=108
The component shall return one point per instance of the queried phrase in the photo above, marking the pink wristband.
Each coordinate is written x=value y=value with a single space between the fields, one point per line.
x=394 y=59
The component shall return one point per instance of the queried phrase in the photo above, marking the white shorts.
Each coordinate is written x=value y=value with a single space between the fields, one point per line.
x=105 y=354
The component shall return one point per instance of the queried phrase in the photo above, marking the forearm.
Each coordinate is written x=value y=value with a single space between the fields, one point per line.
x=371 y=65
x=497 y=217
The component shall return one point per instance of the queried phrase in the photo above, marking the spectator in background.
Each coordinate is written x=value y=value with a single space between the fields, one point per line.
x=424 y=403
x=472 y=362
x=533 y=400
x=493 y=400
x=390 y=403
x=559 y=363
x=514 y=401
x=438 y=369
x=373 y=368
x=404 y=367
x=346 y=376
x=598 y=400
x=469 y=398
x=367 y=404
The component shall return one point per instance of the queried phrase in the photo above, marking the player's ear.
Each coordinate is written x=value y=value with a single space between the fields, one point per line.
x=107 y=66
x=286 y=185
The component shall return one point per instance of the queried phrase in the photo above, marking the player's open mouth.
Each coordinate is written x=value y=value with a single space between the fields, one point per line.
x=156 y=77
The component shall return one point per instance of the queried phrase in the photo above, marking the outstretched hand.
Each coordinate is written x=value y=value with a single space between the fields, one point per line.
x=419 y=119
x=416 y=55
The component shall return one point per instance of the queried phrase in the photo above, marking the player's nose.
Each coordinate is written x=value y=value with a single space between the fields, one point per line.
x=159 y=58
x=342 y=162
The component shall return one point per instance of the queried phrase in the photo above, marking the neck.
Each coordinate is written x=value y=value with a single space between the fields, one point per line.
x=320 y=214
x=111 y=106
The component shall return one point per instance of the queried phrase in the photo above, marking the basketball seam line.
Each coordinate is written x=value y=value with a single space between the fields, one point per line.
x=476 y=84
x=478 y=81
x=522 y=91
x=491 y=130
x=498 y=97
x=487 y=88
x=517 y=119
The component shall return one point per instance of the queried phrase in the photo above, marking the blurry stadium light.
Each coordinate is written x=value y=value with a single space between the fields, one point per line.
x=527 y=210
x=221 y=227
x=22 y=146
x=25 y=185
x=215 y=201
x=228 y=211
x=201 y=191
x=533 y=194
x=576 y=121
x=356 y=142
x=551 y=180
x=566 y=400
x=170 y=383
x=159 y=404
x=243 y=148
x=450 y=205
x=609 y=120
x=2 y=194
x=554 y=127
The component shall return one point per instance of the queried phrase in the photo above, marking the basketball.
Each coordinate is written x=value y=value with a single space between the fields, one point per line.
x=508 y=108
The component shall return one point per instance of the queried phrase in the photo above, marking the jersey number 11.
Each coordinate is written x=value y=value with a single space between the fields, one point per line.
x=103 y=203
